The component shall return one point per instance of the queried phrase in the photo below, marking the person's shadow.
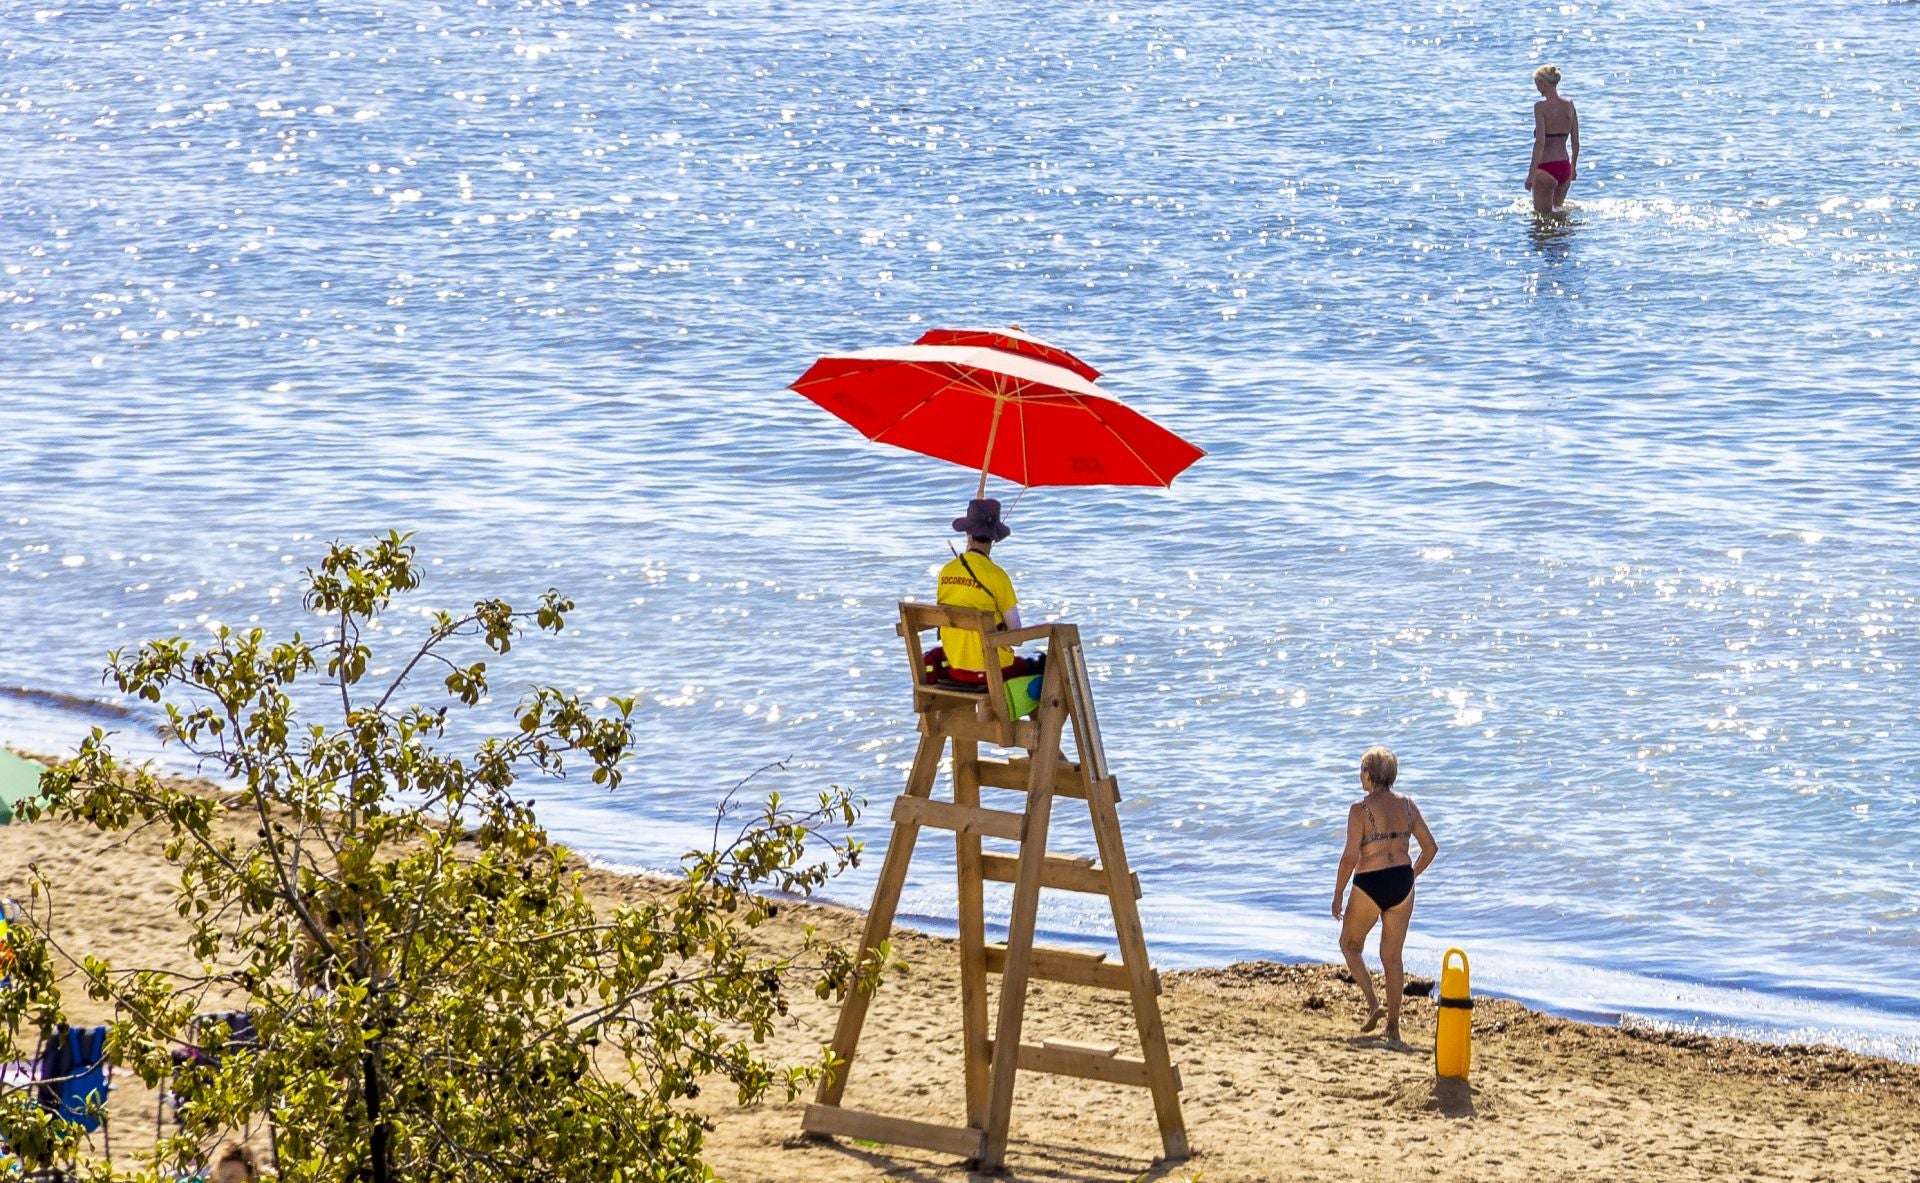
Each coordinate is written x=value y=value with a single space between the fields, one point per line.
x=1375 y=1039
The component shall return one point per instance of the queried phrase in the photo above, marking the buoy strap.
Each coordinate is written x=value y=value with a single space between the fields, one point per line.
x=1457 y=1003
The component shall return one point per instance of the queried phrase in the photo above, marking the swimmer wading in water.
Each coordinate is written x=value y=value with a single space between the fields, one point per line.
x=1556 y=143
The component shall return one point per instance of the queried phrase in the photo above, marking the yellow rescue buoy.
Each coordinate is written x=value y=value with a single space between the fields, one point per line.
x=1453 y=1033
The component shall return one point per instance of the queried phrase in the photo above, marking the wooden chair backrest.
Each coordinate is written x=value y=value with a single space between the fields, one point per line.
x=919 y=618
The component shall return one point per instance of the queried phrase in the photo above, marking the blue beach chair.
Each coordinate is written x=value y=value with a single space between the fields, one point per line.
x=240 y=1036
x=73 y=1079
x=200 y=1049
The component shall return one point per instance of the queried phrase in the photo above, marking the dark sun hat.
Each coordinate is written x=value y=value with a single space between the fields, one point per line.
x=983 y=521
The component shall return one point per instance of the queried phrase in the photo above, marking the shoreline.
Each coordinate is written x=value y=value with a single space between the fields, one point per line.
x=1277 y=1082
x=1774 y=1021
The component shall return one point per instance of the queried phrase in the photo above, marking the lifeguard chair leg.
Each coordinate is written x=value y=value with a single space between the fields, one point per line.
x=1162 y=1082
x=1103 y=804
x=973 y=936
x=1026 y=906
x=886 y=900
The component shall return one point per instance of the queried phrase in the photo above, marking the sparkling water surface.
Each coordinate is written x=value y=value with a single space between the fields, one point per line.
x=1610 y=527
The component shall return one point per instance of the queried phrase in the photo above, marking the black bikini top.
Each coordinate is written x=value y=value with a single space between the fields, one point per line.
x=1388 y=836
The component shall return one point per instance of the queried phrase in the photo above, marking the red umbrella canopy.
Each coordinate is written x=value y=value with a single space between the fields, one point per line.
x=1000 y=401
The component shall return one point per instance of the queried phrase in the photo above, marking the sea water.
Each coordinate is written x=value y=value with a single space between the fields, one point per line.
x=1606 y=525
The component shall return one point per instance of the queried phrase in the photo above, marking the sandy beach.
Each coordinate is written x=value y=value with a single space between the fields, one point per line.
x=1277 y=1085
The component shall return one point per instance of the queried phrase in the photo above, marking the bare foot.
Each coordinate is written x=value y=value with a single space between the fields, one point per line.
x=1373 y=1018
x=1393 y=1036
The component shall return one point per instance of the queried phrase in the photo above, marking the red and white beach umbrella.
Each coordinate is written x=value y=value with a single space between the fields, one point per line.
x=1000 y=401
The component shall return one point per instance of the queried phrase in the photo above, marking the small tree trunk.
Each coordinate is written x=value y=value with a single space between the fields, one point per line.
x=381 y=1148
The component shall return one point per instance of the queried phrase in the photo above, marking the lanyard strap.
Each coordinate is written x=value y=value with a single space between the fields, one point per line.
x=999 y=617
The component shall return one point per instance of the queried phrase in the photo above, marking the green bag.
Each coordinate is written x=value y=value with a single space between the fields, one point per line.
x=1023 y=695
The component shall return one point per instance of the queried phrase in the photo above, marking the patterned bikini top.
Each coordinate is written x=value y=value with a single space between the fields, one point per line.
x=1387 y=836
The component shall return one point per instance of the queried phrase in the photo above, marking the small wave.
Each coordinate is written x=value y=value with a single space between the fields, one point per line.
x=71 y=704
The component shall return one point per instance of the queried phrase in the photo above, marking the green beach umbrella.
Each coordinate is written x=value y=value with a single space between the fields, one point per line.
x=19 y=779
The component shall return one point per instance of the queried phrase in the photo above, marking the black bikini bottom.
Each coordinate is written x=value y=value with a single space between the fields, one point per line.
x=1387 y=886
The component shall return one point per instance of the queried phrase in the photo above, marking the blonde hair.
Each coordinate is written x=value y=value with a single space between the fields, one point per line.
x=1380 y=766
x=1549 y=72
x=237 y=1154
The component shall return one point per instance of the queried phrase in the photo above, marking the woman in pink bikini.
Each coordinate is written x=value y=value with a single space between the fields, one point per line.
x=1556 y=144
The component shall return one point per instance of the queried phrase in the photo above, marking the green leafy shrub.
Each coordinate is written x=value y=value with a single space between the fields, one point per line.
x=435 y=996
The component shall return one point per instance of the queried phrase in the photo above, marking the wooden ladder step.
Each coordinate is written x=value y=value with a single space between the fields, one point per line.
x=1061 y=1058
x=1059 y=871
x=1078 y=1045
x=1017 y=774
x=961 y=1141
x=1068 y=778
x=1072 y=967
x=961 y=819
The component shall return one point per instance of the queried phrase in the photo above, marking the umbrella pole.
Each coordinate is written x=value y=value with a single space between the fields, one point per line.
x=999 y=405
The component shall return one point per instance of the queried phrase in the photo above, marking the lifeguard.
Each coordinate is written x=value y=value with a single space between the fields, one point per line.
x=973 y=580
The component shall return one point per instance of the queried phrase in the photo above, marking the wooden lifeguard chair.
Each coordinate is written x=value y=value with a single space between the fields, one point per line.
x=970 y=718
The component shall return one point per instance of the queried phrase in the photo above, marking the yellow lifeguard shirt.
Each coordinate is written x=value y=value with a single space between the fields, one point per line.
x=991 y=592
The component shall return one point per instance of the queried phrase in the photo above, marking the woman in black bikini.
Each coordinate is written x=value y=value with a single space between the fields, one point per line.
x=1379 y=860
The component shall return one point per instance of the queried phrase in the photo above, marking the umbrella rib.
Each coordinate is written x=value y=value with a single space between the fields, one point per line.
x=1122 y=441
x=953 y=382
